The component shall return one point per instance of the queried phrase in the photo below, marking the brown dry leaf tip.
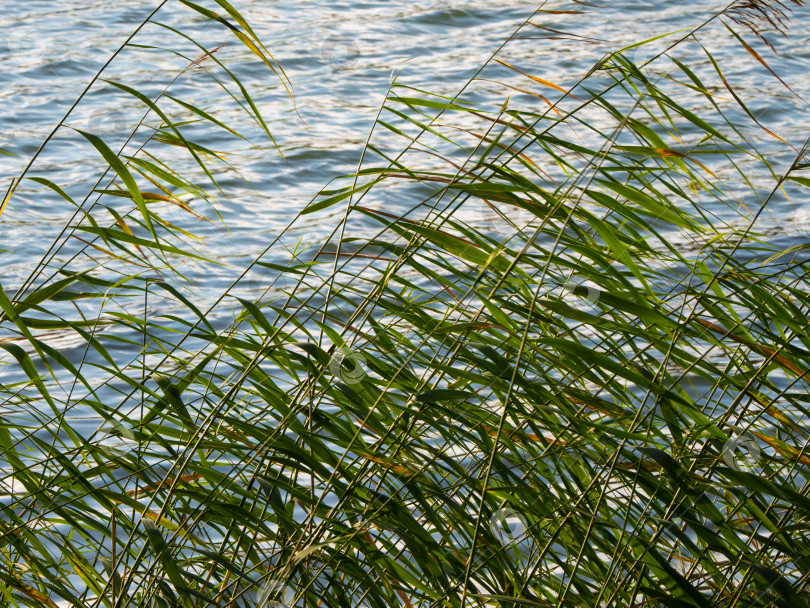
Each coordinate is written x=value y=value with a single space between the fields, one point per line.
x=758 y=14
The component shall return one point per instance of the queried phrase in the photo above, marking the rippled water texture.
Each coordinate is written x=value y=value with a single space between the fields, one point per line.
x=340 y=57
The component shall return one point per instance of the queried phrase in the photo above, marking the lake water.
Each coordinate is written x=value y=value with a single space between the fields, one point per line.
x=340 y=57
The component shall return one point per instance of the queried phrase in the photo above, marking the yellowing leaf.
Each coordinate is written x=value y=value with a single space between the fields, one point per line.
x=536 y=79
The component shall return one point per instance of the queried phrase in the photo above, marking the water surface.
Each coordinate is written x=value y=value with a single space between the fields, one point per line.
x=340 y=58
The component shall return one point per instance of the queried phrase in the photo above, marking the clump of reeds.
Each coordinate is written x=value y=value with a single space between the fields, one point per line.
x=558 y=378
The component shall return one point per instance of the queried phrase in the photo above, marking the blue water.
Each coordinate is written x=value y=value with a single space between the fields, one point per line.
x=340 y=58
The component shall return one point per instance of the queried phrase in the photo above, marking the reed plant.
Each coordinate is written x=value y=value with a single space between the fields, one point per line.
x=548 y=356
